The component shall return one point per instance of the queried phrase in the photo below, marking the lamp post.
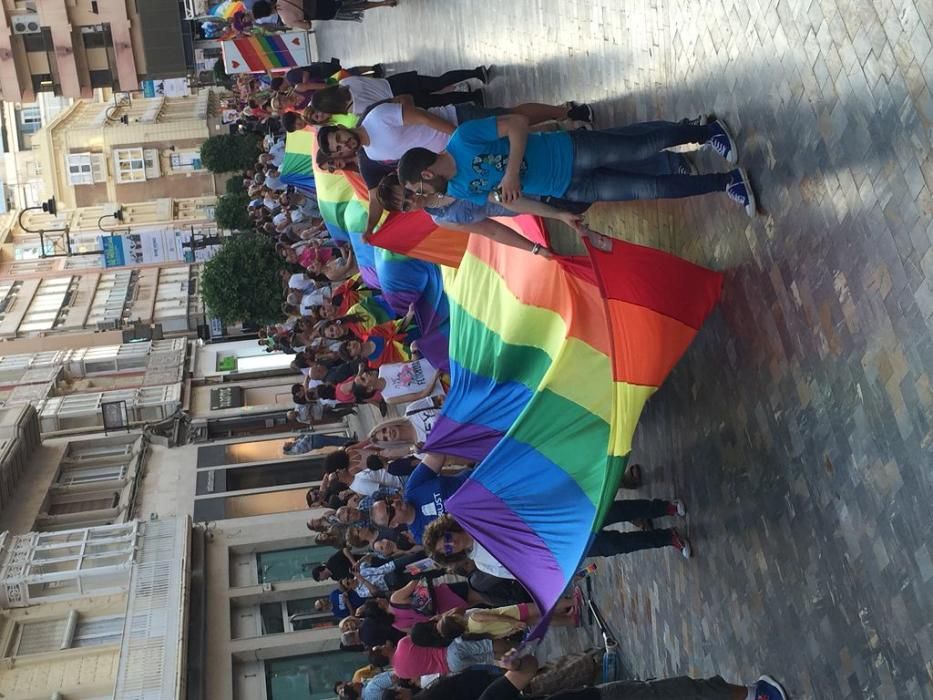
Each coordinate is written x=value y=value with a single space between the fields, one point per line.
x=117 y=215
x=108 y=114
x=49 y=207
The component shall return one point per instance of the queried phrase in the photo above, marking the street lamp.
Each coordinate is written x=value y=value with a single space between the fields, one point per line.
x=49 y=207
x=108 y=115
x=118 y=215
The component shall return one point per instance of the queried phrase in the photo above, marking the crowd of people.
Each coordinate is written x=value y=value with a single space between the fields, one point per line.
x=435 y=613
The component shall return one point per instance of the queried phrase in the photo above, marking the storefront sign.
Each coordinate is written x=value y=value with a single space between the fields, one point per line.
x=170 y=87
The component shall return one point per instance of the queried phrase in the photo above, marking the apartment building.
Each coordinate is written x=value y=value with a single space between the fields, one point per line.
x=71 y=48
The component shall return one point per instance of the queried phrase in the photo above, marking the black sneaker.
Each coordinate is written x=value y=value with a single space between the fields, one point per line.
x=478 y=98
x=379 y=71
x=579 y=112
x=700 y=120
x=484 y=73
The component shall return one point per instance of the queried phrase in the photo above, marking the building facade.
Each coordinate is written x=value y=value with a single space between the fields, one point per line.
x=21 y=183
x=95 y=612
x=72 y=48
x=142 y=273
x=128 y=150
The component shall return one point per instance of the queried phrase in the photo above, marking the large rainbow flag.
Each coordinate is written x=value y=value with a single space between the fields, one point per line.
x=403 y=279
x=550 y=370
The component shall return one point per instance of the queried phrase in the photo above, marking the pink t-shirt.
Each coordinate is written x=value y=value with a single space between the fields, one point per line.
x=411 y=662
x=446 y=600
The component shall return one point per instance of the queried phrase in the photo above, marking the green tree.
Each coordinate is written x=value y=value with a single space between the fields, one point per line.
x=220 y=74
x=230 y=212
x=242 y=281
x=229 y=152
x=235 y=185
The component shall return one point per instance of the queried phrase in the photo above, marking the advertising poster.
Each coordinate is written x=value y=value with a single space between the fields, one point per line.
x=169 y=87
x=158 y=245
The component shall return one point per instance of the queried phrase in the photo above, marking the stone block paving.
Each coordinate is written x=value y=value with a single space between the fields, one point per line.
x=798 y=427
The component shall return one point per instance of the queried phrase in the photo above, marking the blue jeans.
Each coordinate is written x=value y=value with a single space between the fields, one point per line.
x=608 y=543
x=606 y=164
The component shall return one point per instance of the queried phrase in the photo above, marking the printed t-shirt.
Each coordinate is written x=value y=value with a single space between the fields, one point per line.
x=427 y=491
x=338 y=608
x=481 y=158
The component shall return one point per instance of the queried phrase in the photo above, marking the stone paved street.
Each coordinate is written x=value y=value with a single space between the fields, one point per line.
x=799 y=428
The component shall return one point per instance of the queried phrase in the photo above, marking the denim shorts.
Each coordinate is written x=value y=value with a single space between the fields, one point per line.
x=468 y=111
x=461 y=654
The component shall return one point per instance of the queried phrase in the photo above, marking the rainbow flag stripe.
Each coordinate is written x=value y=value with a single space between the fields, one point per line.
x=550 y=369
x=227 y=9
x=404 y=280
x=265 y=51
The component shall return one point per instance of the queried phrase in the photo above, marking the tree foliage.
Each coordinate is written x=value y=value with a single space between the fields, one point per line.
x=230 y=212
x=220 y=74
x=242 y=281
x=228 y=152
x=235 y=185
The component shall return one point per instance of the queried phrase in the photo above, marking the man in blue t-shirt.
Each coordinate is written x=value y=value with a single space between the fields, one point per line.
x=497 y=157
x=343 y=602
x=423 y=499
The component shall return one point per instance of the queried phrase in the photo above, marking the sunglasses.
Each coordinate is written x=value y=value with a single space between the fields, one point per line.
x=448 y=543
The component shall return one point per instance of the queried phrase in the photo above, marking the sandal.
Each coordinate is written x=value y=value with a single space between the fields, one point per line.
x=576 y=612
x=632 y=478
x=599 y=241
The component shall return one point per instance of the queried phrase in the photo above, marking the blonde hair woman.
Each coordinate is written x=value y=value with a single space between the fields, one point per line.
x=402 y=436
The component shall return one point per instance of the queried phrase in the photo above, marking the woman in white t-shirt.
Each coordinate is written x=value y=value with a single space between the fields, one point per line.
x=403 y=436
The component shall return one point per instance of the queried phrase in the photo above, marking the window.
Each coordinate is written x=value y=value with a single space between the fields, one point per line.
x=293 y=564
x=308 y=677
x=30 y=120
x=80 y=170
x=293 y=616
x=84 y=450
x=96 y=36
x=42 y=82
x=90 y=475
x=69 y=504
x=186 y=161
x=66 y=633
x=46 y=307
x=101 y=78
x=129 y=165
x=33 y=266
x=36 y=41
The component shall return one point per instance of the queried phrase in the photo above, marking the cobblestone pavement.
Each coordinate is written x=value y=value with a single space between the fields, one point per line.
x=798 y=428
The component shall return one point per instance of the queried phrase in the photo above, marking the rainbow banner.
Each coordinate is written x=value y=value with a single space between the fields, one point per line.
x=227 y=9
x=404 y=280
x=550 y=369
x=258 y=53
x=343 y=214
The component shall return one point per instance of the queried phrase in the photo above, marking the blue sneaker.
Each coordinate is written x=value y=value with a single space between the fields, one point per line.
x=769 y=689
x=739 y=190
x=721 y=142
x=685 y=166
